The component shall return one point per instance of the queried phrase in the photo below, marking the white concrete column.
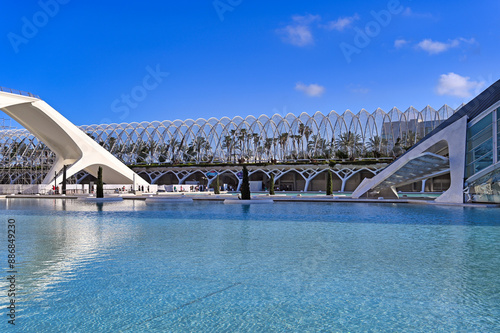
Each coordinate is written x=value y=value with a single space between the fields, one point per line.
x=422 y=190
x=344 y=181
x=456 y=138
x=306 y=186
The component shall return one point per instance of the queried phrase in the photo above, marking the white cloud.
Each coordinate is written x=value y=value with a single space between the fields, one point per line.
x=410 y=13
x=433 y=47
x=306 y=19
x=341 y=23
x=399 y=43
x=299 y=33
x=452 y=84
x=360 y=90
x=312 y=90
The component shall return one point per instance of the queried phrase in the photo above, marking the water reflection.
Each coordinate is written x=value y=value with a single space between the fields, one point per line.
x=55 y=248
x=372 y=267
x=245 y=209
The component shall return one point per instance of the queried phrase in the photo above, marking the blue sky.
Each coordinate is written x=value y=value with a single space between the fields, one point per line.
x=116 y=61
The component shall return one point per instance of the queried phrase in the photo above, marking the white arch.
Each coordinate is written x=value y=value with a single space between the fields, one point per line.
x=70 y=144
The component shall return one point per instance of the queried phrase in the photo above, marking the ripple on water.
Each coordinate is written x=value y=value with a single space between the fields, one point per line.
x=291 y=267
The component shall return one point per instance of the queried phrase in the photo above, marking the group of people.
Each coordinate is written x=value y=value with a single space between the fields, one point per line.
x=141 y=188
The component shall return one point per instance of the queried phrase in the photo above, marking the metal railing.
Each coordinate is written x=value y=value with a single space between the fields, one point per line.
x=18 y=92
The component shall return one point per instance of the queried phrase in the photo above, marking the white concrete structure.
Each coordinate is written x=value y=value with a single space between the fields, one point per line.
x=71 y=145
x=452 y=139
x=466 y=146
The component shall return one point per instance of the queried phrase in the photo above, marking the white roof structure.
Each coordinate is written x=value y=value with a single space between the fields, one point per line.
x=71 y=146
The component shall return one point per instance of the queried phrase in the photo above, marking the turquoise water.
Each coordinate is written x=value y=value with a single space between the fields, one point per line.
x=301 y=267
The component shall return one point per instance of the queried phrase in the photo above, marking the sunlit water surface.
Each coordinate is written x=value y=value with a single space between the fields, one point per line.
x=289 y=267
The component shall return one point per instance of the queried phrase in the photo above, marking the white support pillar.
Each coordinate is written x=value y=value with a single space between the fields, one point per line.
x=306 y=186
x=457 y=149
x=344 y=181
x=423 y=185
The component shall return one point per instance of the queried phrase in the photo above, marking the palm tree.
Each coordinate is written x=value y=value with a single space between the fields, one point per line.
x=256 y=145
x=236 y=136
x=267 y=146
x=180 y=152
x=317 y=146
x=282 y=141
x=350 y=143
x=301 y=130
x=377 y=145
x=228 y=144
x=162 y=152
x=296 y=141
x=243 y=137
x=409 y=139
x=142 y=152
x=171 y=146
x=199 y=145
x=307 y=134
x=151 y=149
x=110 y=145
x=397 y=150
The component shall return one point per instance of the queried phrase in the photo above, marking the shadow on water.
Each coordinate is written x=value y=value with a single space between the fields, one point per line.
x=245 y=209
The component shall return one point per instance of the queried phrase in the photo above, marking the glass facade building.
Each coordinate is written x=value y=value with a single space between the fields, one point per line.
x=483 y=151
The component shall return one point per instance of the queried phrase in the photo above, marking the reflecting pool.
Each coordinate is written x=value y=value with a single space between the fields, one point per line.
x=288 y=267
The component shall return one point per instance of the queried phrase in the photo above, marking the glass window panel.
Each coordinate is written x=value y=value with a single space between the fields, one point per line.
x=479 y=151
x=483 y=149
x=478 y=127
x=484 y=162
x=479 y=145
x=479 y=139
x=480 y=164
x=469 y=171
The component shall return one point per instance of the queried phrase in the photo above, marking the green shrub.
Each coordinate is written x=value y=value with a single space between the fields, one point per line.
x=245 y=185
x=329 y=183
x=100 y=185
x=216 y=186
x=271 y=185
